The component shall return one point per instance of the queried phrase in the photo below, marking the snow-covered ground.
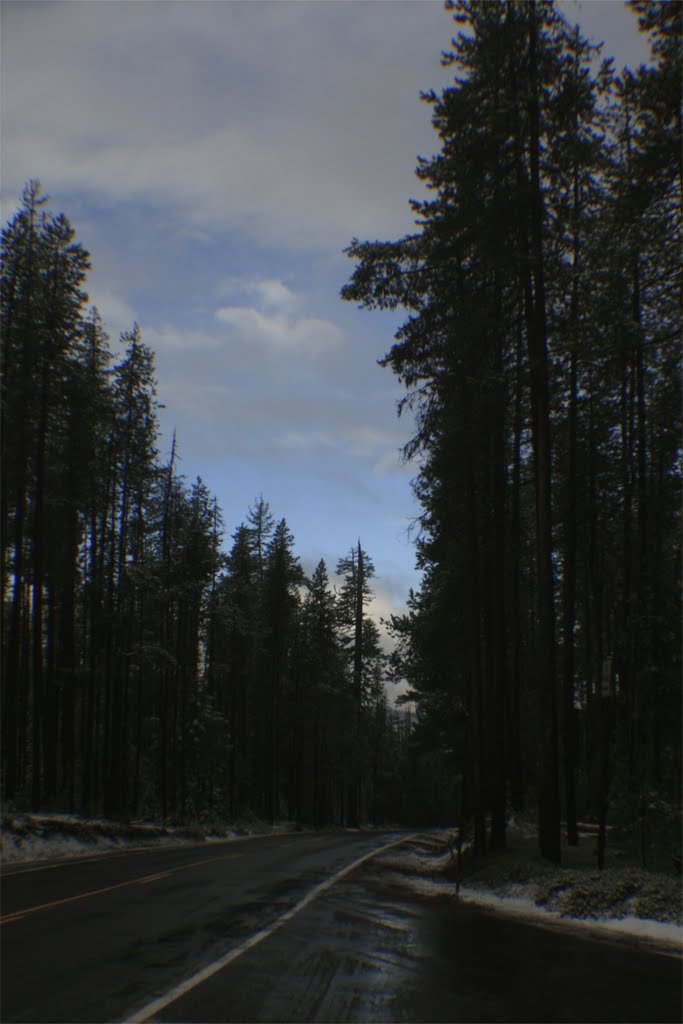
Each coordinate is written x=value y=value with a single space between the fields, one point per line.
x=428 y=873
x=41 y=837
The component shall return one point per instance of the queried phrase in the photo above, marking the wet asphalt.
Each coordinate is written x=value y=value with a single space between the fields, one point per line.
x=366 y=953
x=130 y=927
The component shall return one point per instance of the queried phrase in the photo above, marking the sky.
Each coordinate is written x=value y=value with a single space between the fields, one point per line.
x=216 y=158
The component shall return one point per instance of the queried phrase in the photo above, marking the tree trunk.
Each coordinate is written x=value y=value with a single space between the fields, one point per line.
x=514 y=619
x=496 y=583
x=549 y=802
x=569 y=717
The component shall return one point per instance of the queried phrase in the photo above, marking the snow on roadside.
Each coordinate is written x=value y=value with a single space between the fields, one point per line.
x=422 y=873
x=666 y=933
x=41 y=837
x=416 y=862
x=38 y=837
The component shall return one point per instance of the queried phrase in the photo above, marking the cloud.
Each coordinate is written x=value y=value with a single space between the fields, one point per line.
x=279 y=333
x=274 y=293
x=117 y=314
x=297 y=124
x=250 y=386
x=285 y=123
x=273 y=324
x=271 y=291
x=170 y=339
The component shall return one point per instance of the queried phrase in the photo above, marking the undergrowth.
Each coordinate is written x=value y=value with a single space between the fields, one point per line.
x=576 y=888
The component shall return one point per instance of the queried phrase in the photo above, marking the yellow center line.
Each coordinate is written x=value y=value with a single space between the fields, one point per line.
x=17 y=915
x=155 y=878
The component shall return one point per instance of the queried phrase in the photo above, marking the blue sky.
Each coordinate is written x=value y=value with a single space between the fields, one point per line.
x=216 y=158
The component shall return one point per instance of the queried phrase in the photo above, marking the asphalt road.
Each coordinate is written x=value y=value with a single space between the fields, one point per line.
x=99 y=940
x=365 y=952
x=89 y=940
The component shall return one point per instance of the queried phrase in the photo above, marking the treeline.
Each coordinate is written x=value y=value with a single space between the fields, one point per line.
x=541 y=358
x=144 y=670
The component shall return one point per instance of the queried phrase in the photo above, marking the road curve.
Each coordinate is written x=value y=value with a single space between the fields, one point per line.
x=367 y=951
x=87 y=941
x=278 y=929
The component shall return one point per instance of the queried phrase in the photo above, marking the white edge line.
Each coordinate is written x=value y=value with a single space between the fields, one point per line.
x=207 y=972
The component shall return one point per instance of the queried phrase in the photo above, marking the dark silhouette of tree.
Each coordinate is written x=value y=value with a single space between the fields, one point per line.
x=537 y=214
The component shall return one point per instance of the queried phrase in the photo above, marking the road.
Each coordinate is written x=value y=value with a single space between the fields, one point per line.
x=89 y=940
x=102 y=939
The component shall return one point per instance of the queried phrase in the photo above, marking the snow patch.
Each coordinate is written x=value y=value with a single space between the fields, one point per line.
x=416 y=862
x=43 y=837
x=521 y=903
x=425 y=875
x=25 y=838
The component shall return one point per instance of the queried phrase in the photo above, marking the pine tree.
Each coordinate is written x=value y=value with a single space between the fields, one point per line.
x=44 y=269
x=133 y=449
x=356 y=570
x=323 y=711
x=283 y=576
x=477 y=359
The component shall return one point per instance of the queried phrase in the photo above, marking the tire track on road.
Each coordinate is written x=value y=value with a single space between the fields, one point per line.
x=147 y=1012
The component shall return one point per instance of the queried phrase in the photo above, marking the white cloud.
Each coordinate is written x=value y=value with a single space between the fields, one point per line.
x=274 y=294
x=271 y=292
x=117 y=314
x=169 y=339
x=297 y=124
x=279 y=333
x=274 y=324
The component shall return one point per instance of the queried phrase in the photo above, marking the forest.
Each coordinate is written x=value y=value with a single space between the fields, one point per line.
x=146 y=670
x=153 y=667
x=541 y=362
